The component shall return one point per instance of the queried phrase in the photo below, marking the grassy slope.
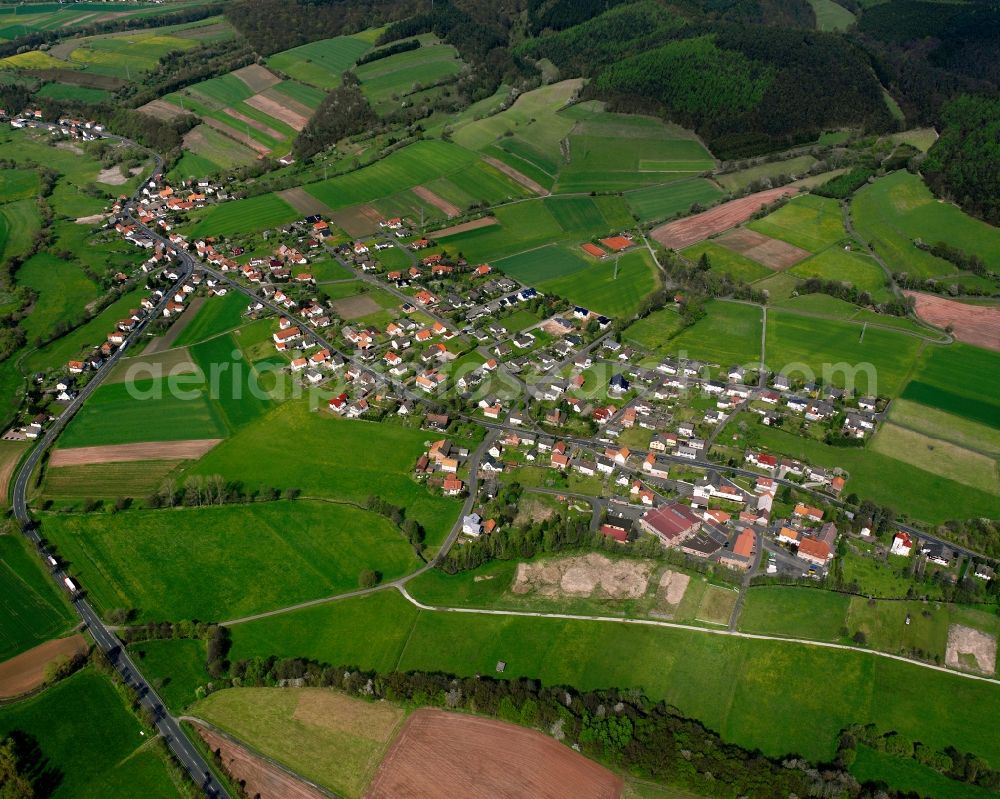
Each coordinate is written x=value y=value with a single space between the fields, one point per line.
x=220 y=562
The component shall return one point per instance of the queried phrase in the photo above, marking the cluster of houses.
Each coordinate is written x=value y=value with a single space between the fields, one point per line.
x=818 y=404
x=80 y=129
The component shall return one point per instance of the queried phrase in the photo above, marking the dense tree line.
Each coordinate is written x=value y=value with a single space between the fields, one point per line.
x=16 y=768
x=843 y=186
x=949 y=762
x=344 y=112
x=967 y=262
x=964 y=163
x=850 y=293
x=411 y=528
x=392 y=49
x=622 y=32
x=558 y=15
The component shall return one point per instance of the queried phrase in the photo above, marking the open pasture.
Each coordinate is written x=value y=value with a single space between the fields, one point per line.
x=97 y=746
x=726 y=261
x=216 y=316
x=543 y=263
x=728 y=334
x=18 y=184
x=878 y=363
x=33 y=609
x=740 y=179
x=196 y=563
x=858 y=269
x=691 y=670
x=105 y=480
x=938 y=457
x=63 y=292
x=946 y=426
x=613 y=287
x=655 y=203
x=943 y=380
x=387 y=80
x=809 y=222
x=335 y=468
x=213 y=151
x=301 y=726
x=831 y=16
x=899 y=208
x=321 y=63
x=244 y=216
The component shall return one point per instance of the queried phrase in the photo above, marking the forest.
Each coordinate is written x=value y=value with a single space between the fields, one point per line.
x=343 y=112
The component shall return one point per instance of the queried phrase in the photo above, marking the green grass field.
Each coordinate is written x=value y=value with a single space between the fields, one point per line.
x=662 y=202
x=834 y=263
x=66 y=91
x=767 y=706
x=807 y=221
x=175 y=668
x=941 y=381
x=609 y=288
x=946 y=426
x=63 y=292
x=523 y=226
x=880 y=363
x=244 y=216
x=105 y=480
x=285 y=725
x=349 y=460
x=217 y=316
x=209 y=152
x=729 y=334
x=18 y=223
x=33 y=610
x=742 y=178
x=220 y=562
x=831 y=16
x=319 y=63
x=18 y=184
x=724 y=260
x=655 y=331
x=898 y=208
x=544 y=263
x=96 y=750
x=386 y=80
x=938 y=457
x=910 y=776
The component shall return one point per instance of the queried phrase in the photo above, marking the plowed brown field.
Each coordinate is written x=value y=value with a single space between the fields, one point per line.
x=143 y=451
x=26 y=671
x=973 y=324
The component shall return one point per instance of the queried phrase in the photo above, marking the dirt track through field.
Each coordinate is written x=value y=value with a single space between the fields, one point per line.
x=161 y=109
x=256 y=77
x=441 y=755
x=278 y=110
x=26 y=672
x=772 y=253
x=440 y=203
x=125 y=453
x=465 y=227
x=516 y=176
x=261 y=778
x=166 y=341
x=232 y=133
x=973 y=324
x=692 y=229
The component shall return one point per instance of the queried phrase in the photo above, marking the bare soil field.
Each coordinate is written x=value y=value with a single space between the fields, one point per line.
x=26 y=671
x=440 y=203
x=161 y=109
x=973 y=324
x=584 y=575
x=692 y=229
x=475 y=224
x=517 y=177
x=143 y=451
x=441 y=755
x=358 y=219
x=253 y=123
x=672 y=587
x=256 y=77
x=355 y=307
x=303 y=202
x=232 y=133
x=979 y=649
x=772 y=253
x=112 y=176
x=261 y=777
x=93 y=219
x=278 y=110
x=288 y=102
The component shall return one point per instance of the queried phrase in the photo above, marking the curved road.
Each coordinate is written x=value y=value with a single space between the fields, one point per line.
x=166 y=725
